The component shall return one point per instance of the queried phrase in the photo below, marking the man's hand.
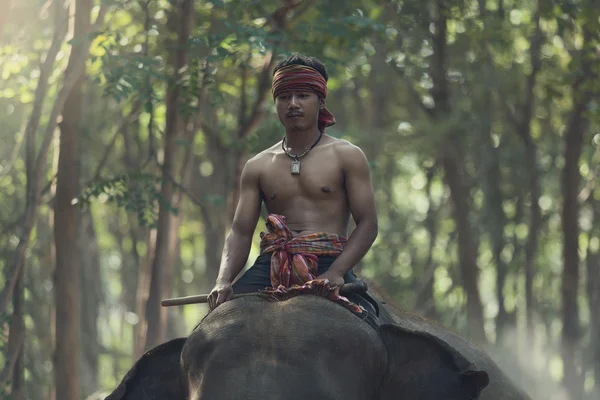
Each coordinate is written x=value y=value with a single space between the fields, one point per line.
x=220 y=294
x=335 y=279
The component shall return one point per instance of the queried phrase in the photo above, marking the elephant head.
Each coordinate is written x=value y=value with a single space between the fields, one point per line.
x=305 y=347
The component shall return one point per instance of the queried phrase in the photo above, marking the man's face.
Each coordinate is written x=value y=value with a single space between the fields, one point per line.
x=298 y=111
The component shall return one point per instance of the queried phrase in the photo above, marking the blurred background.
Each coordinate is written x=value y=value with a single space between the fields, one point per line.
x=125 y=124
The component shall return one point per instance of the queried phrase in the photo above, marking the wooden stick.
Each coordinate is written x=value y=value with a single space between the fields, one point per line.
x=180 y=301
x=354 y=287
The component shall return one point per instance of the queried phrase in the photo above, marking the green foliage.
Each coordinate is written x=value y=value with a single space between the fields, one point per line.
x=136 y=192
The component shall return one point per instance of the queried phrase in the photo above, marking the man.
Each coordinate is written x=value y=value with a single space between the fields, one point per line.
x=310 y=184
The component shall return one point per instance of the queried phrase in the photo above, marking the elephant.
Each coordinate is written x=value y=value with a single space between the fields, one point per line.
x=309 y=347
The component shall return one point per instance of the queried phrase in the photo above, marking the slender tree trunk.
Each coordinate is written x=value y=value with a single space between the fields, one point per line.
x=425 y=297
x=531 y=247
x=494 y=212
x=142 y=294
x=451 y=158
x=66 y=282
x=91 y=299
x=593 y=294
x=35 y=164
x=137 y=277
x=90 y=288
x=493 y=178
x=130 y=276
x=216 y=207
x=33 y=157
x=570 y=277
x=466 y=248
x=52 y=259
x=524 y=131
x=496 y=223
x=16 y=343
x=571 y=178
x=161 y=279
x=38 y=306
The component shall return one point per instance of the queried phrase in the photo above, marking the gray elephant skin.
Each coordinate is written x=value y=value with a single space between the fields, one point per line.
x=308 y=347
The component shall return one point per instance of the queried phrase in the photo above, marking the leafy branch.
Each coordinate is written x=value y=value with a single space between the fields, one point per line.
x=135 y=192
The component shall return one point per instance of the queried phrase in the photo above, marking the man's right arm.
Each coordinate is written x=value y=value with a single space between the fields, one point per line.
x=239 y=240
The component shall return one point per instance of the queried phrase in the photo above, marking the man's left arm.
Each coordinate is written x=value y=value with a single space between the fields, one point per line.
x=361 y=199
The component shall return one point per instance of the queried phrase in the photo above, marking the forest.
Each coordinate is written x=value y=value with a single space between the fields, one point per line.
x=125 y=125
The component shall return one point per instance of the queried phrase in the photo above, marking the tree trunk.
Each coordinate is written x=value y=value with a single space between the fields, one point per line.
x=425 y=297
x=454 y=170
x=217 y=205
x=32 y=160
x=66 y=216
x=524 y=131
x=137 y=277
x=16 y=343
x=466 y=248
x=35 y=164
x=593 y=294
x=496 y=223
x=571 y=179
x=533 y=233
x=492 y=180
x=492 y=177
x=162 y=269
x=570 y=276
x=91 y=299
x=142 y=294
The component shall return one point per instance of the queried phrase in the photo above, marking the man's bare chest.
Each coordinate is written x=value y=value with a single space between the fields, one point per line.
x=320 y=178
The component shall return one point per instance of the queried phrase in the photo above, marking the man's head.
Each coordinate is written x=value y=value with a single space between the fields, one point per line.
x=299 y=91
x=307 y=61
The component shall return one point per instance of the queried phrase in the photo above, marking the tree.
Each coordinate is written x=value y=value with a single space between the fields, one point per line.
x=573 y=138
x=66 y=218
x=161 y=282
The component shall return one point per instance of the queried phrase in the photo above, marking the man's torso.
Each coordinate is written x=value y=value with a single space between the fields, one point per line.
x=313 y=201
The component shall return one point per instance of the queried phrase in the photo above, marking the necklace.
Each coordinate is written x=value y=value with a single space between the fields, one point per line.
x=295 y=170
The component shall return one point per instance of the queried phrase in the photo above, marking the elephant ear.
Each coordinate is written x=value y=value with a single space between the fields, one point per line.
x=422 y=366
x=155 y=376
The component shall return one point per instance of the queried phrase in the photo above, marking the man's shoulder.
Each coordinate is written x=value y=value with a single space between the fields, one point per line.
x=268 y=152
x=344 y=148
x=351 y=157
x=258 y=160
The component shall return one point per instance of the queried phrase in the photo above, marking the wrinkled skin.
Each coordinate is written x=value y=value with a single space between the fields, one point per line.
x=156 y=375
x=252 y=348
x=500 y=386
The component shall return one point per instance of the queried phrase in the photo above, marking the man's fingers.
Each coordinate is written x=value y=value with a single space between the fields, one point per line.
x=220 y=299
x=223 y=297
x=211 y=301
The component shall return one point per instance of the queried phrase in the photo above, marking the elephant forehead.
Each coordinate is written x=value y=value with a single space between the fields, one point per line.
x=276 y=330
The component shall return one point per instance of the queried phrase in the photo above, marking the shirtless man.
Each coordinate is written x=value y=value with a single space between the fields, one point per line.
x=310 y=184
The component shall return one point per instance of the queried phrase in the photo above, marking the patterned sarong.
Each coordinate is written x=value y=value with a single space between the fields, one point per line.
x=294 y=261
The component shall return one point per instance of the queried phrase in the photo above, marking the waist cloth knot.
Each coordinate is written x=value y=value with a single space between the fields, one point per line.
x=295 y=262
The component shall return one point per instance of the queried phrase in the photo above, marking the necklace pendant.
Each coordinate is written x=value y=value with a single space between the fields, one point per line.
x=295 y=167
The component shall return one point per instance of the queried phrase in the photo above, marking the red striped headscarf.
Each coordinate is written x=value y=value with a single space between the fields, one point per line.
x=303 y=78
